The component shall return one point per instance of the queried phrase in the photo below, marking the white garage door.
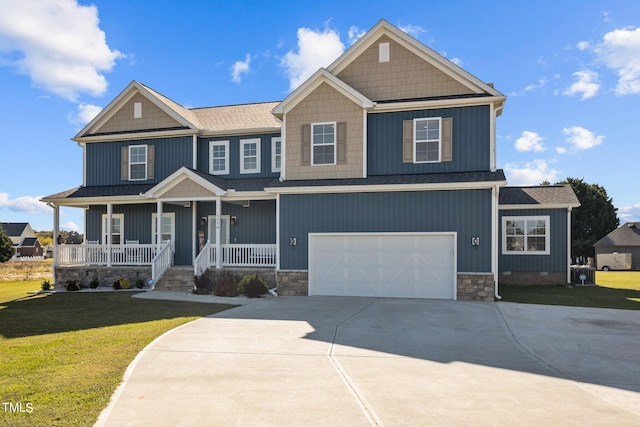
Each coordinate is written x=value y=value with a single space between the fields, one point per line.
x=401 y=265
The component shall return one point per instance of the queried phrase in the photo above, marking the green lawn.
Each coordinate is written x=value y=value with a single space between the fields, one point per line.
x=63 y=355
x=615 y=289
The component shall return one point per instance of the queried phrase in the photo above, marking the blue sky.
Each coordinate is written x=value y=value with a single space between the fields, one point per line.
x=570 y=69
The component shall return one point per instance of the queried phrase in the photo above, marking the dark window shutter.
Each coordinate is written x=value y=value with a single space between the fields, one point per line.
x=447 y=139
x=124 y=163
x=407 y=141
x=151 y=149
x=342 y=143
x=306 y=145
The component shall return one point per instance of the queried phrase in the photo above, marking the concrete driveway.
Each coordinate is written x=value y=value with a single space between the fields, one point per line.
x=323 y=361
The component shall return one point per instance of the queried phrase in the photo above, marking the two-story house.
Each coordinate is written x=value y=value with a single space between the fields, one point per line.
x=376 y=177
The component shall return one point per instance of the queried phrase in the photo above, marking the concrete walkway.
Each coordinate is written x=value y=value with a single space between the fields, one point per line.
x=322 y=361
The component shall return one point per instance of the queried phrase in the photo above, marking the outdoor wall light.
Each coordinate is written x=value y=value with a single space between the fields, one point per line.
x=292 y=241
x=234 y=220
x=203 y=221
x=475 y=241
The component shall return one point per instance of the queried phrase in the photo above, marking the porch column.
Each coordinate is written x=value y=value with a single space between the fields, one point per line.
x=159 y=224
x=569 y=245
x=194 y=230
x=56 y=232
x=109 y=224
x=218 y=233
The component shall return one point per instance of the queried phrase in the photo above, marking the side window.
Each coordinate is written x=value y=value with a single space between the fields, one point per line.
x=250 y=155
x=525 y=235
x=276 y=154
x=323 y=143
x=219 y=157
x=117 y=228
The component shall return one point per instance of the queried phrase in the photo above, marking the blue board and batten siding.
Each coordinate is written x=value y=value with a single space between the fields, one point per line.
x=255 y=223
x=467 y=212
x=103 y=165
x=234 y=155
x=558 y=257
x=471 y=141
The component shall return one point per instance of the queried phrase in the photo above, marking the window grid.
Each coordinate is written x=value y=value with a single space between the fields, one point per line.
x=323 y=141
x=137 y=162
x=427 y=140
x=250 y=156
x=219 y=152
x=526 y=235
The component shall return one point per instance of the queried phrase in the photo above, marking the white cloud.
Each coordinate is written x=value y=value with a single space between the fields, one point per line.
x=531 y=173
x=561 y=150
x=316 y=49
x=58 y=44
x=583 y=45
x=541 y=82
x=355 y=33
x=629 y=213
x=582 y=138
x=239 y=68
x=587 y=84
x=70 y=226
x=24 y=204
x=413 y=30
x=86 y=113
x=620 y=51
x=457 y=61
x=529 y=141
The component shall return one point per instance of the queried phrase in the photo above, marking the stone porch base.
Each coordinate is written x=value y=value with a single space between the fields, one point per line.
x=105 y=275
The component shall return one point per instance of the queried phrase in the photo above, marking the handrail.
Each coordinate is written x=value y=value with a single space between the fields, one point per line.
x=201 y=263
x=161 y=263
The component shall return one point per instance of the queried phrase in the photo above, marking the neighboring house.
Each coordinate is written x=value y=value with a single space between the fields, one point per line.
x=624 y=239
x=23 y=238
x=376 y=177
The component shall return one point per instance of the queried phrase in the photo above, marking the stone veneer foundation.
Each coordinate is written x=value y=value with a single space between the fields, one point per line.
x=533 y=278
x=471 y=287
x=105 y=275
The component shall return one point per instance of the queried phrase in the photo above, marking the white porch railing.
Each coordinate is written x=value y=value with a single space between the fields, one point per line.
x=236 y=255
x=97 y=254
x=161 y=263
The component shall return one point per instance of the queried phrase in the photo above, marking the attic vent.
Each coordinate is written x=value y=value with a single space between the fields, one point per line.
x=383 y=52
x=137 y=110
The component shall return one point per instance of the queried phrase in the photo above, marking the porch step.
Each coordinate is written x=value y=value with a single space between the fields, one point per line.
x=176 y=279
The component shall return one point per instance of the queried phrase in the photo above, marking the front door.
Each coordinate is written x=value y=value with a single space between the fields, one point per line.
x=224 y=229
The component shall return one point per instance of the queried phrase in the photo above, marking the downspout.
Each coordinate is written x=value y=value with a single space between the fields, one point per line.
x=495 y=192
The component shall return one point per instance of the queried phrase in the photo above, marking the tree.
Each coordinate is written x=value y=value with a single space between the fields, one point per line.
x=595 y=218
x=6 y=246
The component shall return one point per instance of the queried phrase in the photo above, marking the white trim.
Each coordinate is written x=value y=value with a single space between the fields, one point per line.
x=194 y=154
x=146 y=161
x=135 y=136
x=383 y=187
x=137 y=110
x=539 y=206
x=277 y=232
x=244 y=142
x=172 y=180
x=211 y=219
x=194 y=230
x=283 y=163
x=525 y=218
x=275 y=140
x=365 y=145
x=224 y=144
x=492 y=138
x=426 y=141
x=383 y=52
x=495 y=226
x=439 y=103
x=334 y=143
x=569 y=245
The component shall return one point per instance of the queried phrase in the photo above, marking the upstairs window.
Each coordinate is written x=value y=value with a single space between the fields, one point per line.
x=525 y=235
x=219 y=157
x=323 y=142
x=137 y=162
x=250 y=155
x=426 y=140
x=276 y=154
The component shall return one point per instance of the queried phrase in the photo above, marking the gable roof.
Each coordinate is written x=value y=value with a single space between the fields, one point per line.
x=14 y=229
x=625 y=235
x=383 y=27
x=551 y=196
x=29 y=241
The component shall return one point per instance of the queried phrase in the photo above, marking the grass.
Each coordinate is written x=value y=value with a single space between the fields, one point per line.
x=64 y=354
x=615 y=289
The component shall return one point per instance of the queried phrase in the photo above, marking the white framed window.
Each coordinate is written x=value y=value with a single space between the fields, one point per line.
x=117 y=228
x=427 y=140
x=323 y=143
x=276 y=154
x=250 y=155
x=525 y=235
x=137 y=162
x=168 y=226
x=218 y=157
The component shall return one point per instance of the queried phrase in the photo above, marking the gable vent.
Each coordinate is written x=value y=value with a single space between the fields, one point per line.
x=383 y=52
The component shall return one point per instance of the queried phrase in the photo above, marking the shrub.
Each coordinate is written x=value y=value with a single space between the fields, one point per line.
x=94 y=283
x=73 y=285
x=46 y=285
x=139 y=283
x=253 y=286
x=122 y=283
x=225 y=284
x=204 y=282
